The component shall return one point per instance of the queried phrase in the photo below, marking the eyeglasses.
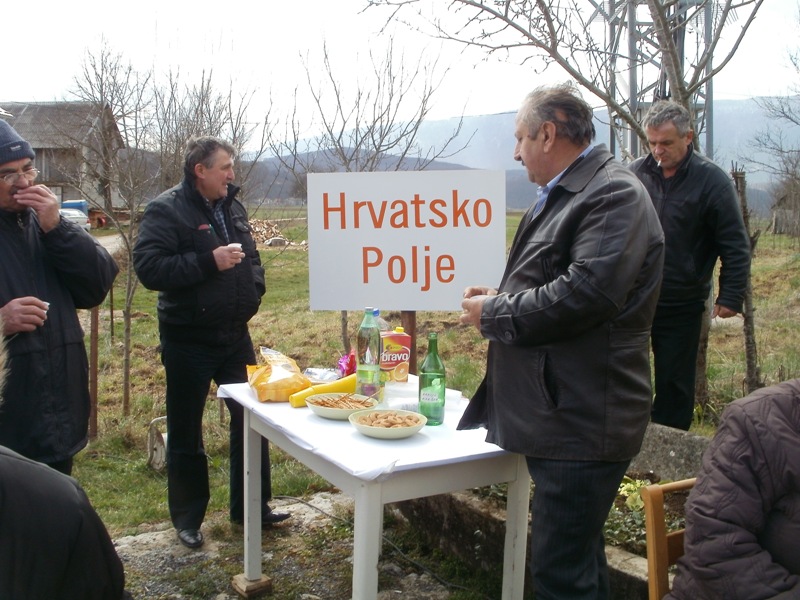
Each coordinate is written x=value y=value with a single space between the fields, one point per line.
x=29 y=174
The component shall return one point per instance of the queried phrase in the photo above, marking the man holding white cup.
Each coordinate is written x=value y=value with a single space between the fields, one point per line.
x=196 y=249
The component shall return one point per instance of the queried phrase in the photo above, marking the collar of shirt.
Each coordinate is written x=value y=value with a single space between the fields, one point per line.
x=217 y=209
x=544 y=191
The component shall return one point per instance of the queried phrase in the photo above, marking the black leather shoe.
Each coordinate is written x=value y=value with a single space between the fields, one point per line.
x=191 y=538
x=268 y=517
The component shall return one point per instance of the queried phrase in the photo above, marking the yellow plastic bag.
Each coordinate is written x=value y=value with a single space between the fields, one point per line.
x=276 y=380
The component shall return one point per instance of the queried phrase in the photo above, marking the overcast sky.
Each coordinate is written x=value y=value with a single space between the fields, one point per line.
x=260 y=43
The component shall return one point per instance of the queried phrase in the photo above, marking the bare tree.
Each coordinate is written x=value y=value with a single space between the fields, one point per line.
x=140 y=152
x=183 y=111
x=582 y=38
x=370 y=125
x=106 y=80
x=753 y=379
x=782 y=155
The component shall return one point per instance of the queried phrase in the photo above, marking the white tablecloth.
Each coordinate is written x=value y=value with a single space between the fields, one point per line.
x=368 y=458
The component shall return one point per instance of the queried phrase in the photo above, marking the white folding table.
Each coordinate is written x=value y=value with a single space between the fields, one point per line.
x=375 y=472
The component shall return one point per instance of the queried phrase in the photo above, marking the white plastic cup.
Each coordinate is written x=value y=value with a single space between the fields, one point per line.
x=235 y=245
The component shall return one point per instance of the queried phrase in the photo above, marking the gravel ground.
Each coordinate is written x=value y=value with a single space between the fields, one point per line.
x=154 y=560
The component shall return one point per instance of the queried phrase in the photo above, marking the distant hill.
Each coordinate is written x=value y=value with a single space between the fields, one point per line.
x=266 y=179
x=488 y=142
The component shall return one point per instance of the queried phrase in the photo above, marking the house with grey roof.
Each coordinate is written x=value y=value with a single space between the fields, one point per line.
x=76 y=145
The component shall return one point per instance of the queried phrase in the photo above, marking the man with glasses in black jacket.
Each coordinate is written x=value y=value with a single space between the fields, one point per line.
x=51 y=267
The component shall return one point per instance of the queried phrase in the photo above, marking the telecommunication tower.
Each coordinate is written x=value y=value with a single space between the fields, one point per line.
x=635 y=52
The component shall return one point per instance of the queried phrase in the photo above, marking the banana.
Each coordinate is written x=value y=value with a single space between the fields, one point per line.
x=345 y=384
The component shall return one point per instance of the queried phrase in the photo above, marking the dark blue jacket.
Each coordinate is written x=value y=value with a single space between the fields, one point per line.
x=45 y=412
x=197 y=303
x=700 y=215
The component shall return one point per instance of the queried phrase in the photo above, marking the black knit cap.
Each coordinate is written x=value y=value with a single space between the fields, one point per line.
x=12 y=146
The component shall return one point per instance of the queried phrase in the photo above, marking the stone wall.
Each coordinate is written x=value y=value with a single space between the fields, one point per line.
x=670 y=453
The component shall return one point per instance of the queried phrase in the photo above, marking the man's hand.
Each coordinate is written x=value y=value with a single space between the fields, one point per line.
x=723 y=312
x=227 y=257
x=479 y=290
x=472 y=304
x=23 y=315
x=43 y=202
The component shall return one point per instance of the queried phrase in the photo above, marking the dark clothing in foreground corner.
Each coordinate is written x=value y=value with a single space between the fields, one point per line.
x=53 y=545
x=743 y=515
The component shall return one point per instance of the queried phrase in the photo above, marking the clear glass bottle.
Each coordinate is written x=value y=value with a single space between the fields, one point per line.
x=432 y=383
x=368 y=356
x=383 y=324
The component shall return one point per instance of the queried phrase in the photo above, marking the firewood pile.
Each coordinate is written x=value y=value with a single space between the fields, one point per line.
x=264 y=230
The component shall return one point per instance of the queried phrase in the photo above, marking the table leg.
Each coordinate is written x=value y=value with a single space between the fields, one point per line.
x=252 y=500
x=252 y=583
x=516 y=544
x=367 y=536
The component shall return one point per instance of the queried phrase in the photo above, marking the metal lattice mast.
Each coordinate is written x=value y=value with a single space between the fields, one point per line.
x=633 y=47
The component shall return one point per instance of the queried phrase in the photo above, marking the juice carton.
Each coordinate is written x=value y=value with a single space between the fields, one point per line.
x=395 y=355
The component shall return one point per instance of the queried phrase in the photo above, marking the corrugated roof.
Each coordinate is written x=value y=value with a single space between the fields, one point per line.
x=53 y=124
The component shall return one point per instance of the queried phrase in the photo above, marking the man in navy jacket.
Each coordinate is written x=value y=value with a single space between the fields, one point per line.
x=700 y=215
x=196 y=249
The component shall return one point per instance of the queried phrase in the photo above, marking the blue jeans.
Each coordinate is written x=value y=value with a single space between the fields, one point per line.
x=190 y=369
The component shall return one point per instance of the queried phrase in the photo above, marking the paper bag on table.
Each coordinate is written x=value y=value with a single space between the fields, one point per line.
x=276 y=380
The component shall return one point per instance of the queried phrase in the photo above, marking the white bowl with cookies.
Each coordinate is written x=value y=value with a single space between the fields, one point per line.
x=388 y=424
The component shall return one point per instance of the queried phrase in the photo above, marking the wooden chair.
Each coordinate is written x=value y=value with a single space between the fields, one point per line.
x=663 y=549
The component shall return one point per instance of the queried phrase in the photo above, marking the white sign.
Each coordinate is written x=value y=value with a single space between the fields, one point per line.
x=404 y=240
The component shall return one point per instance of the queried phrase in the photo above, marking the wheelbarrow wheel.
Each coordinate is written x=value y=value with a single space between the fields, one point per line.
x=157 y=445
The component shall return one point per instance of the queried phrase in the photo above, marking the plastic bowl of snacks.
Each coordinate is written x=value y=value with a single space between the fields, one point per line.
x=388 y=424
x=339 y=405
